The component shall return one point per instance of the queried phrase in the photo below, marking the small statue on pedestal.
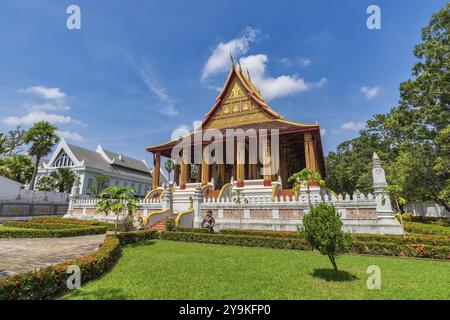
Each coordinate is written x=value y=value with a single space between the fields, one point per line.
x=209 y=222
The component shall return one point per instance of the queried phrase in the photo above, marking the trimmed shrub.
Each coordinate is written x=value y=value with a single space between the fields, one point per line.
x=51 y=281
x=426 y=228
x=137 y=236
x=170 y=224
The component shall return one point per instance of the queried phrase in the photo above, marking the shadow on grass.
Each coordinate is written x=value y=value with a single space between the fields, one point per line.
x=330 y=275
x=99 y=294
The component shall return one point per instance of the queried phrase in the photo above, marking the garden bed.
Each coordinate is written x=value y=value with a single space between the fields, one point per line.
x=50 y=282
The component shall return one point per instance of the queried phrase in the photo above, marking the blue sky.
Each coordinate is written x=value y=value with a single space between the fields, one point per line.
x=137 y=70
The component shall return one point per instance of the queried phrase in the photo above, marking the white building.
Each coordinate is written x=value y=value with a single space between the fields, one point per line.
x=121 y=170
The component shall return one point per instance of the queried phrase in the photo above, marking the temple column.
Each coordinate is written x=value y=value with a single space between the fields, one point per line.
x=156 y=169
x=184 y=175
x=267 y=163
x=310 y=153
x=176 y=174
x=204 y=173
x=222 y=173
x=240 y=163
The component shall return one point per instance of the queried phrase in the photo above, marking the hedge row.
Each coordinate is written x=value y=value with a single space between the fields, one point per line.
x=426 y=228
x=33 y=225
x=137 y=236
x=50 y=282
x=57 y=220
x=196 y=230
x=246 y=241
x=360 y=247
x=51 y=233
x=433 y=240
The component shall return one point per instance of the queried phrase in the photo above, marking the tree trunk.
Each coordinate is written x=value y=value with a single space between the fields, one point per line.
x=401 y=219
x=444 y=204
x=117 y=224
x=33 y=177
x=333 y=262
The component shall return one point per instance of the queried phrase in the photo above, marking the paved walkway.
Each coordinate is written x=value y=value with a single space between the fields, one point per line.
x=21 y=255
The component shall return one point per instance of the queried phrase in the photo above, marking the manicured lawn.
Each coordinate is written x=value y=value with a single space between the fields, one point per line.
x=177 y=270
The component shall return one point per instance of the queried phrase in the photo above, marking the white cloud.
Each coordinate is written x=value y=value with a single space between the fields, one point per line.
x=48 y=106
x=33 y=117
x=370 y=92
x=323 y=131
x=296 y=61
x=69 y=135
x=219 y=60
x=356 y=126
x=169 y=111
x=45 y=93
x=275 y=87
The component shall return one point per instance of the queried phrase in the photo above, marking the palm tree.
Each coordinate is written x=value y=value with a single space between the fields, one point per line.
x=169 y=166
x=17 y=167
x=64 y=179
x=41 y=137
x=117 y=200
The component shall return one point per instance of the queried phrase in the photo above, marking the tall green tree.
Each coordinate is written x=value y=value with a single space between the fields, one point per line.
x=17 y=167
x=11 y=143
x=41 y=137
x=99 y=184
x=117 y=200
x=412 y=139
x=45 y=183
x=64 y=179
x=307 y=176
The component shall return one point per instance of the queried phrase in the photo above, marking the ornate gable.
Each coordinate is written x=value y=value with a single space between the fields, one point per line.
x=238 y=104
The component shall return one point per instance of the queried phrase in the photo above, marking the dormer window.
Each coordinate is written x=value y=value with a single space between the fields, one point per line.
x=63 y=161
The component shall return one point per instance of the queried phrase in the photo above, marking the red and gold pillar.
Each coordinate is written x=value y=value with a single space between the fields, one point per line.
x=267 y=170
x=156 y=169
x=240 y=163
x=184 y=175
x=310 y=153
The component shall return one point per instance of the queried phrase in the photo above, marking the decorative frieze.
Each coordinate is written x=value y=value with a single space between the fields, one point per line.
x=361 y=213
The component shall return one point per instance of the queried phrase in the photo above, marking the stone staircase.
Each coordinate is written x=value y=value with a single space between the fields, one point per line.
x=161 y=226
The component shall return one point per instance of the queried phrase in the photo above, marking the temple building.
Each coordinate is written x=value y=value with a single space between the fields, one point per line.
x=240 y=105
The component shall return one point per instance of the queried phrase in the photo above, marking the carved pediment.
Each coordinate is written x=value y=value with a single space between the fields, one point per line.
x=236 y=108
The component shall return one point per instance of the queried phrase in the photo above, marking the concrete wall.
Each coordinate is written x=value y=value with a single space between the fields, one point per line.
x=427 y=209
x=9 y=189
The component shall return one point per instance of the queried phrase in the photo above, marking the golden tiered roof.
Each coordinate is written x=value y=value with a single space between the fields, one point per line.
x=241 y=105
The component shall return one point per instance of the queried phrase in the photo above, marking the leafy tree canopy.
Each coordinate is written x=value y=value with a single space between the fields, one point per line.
x=413 y=138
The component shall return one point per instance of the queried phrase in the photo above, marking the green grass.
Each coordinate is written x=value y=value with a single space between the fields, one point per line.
x=176 y=270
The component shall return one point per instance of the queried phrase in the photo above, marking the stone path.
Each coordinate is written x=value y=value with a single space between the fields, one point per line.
x=21 y=255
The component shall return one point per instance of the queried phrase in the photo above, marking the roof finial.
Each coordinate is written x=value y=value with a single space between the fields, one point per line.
x=240 y=67
x=232 y=60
